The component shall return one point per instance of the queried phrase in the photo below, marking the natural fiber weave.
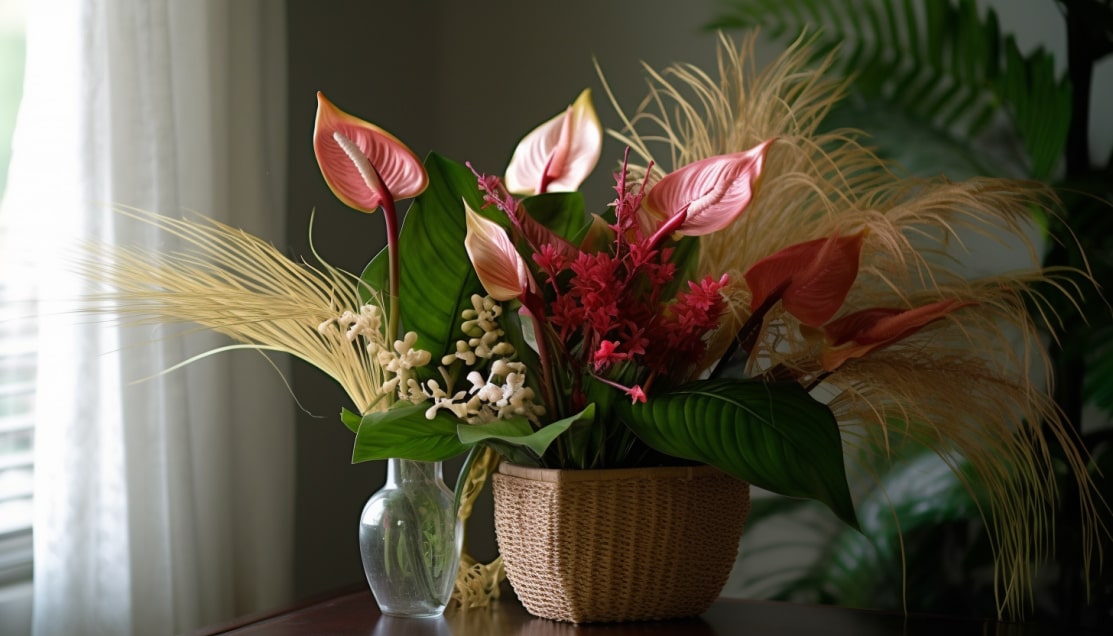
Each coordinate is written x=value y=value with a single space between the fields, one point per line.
x=618 y=545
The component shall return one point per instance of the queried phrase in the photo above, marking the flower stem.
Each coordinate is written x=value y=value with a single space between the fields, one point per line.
x=747 y=336
x=390 y=215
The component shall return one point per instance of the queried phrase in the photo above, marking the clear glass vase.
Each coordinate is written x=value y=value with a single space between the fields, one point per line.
x=410 y=540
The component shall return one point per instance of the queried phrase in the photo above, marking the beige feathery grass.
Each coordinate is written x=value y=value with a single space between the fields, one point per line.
x=236 y=284
x=962 y=386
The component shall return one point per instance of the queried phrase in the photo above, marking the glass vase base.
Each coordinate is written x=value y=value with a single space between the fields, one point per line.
x=410 y=541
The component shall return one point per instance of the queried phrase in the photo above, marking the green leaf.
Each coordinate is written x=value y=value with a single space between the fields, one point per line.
x=376 y=276
x=437 y=279
x=561 y=212
x=350 y=419
x=943 y=66
x=774 y=436
x=405 y=432
x=519 y=432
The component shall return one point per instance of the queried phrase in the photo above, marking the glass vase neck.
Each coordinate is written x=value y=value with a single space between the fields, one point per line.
x=408 y=470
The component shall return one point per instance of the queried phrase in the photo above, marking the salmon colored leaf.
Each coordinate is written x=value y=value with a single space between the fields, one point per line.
x=558 y=155
x=857 y=334
x=813 y=278
x=364 y=165
x=710 y=193
x=499 y=266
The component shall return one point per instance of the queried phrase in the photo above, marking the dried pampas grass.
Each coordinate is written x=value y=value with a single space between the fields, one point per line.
x=238 y=285
x=972 y=386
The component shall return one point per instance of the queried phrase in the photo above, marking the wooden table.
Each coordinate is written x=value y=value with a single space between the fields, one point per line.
x=355 y=612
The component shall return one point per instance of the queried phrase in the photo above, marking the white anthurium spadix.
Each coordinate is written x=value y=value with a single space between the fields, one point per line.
x=704 y=196
x=559 y=154
x=500 y=268
x=365 y=166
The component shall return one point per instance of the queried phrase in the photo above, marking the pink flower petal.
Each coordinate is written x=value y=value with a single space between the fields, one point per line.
x=500 y=268
x=363 y=164
x=711 y=192
x=558 y=155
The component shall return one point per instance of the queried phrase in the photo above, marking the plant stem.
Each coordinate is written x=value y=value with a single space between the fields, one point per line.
x=390 y=215
x=748 y=334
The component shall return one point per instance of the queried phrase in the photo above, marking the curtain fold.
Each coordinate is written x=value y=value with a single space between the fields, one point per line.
x=162 y=502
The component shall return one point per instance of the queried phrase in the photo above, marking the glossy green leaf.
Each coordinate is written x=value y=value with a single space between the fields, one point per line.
x=405 y=432
x=943 y=66
x=561 y=212
x=350 y=419
x=437 y=279
x=376 y=276
x=774 y=436
x=519 y=432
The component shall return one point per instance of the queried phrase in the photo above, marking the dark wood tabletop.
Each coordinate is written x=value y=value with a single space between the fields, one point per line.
x=355 y=612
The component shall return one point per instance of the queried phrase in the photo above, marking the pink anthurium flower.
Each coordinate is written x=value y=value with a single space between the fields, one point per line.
x=705 y=196
x=501 y=270
x=811 y=279
x=365 y=166
x=857 y=334
x=558 y=155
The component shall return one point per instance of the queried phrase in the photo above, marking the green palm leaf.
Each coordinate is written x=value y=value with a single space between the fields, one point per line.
x=939 y=62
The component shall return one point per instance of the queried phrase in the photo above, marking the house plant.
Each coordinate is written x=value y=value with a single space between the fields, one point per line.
x=765 y=304
x=1005 y=110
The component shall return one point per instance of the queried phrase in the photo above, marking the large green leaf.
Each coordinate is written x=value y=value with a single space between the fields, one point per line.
x=519 y=432
x=560 y=212
x=917 y=498
x=437 y=279
x=405 y=432
x=376 y=276
x=774 y=436
x=910 y=510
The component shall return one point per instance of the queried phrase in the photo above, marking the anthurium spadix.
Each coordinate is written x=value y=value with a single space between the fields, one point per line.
x=704 y=196
x=365 y=166
x=811 y=279
x=559 y=154
x=500 y=268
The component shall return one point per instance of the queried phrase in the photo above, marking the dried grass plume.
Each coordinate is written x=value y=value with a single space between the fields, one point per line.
x=972 y=387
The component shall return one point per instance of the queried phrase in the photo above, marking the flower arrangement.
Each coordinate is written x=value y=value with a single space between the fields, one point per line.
x=768 y=299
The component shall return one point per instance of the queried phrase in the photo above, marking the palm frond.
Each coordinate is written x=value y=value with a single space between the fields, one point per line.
x=936 y=61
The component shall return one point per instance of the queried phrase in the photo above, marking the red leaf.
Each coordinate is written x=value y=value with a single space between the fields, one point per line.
x=864 y=331
x=815 y=276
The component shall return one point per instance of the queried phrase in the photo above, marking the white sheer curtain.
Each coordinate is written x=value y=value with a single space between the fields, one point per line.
x=164 y=504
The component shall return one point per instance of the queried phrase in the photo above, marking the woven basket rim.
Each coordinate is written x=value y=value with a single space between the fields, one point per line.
x=568 y=475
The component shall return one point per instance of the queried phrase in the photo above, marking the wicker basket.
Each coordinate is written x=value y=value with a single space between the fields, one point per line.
x=618 y=545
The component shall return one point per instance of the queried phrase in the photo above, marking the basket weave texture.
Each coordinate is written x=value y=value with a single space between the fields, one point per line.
x=618 y=545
